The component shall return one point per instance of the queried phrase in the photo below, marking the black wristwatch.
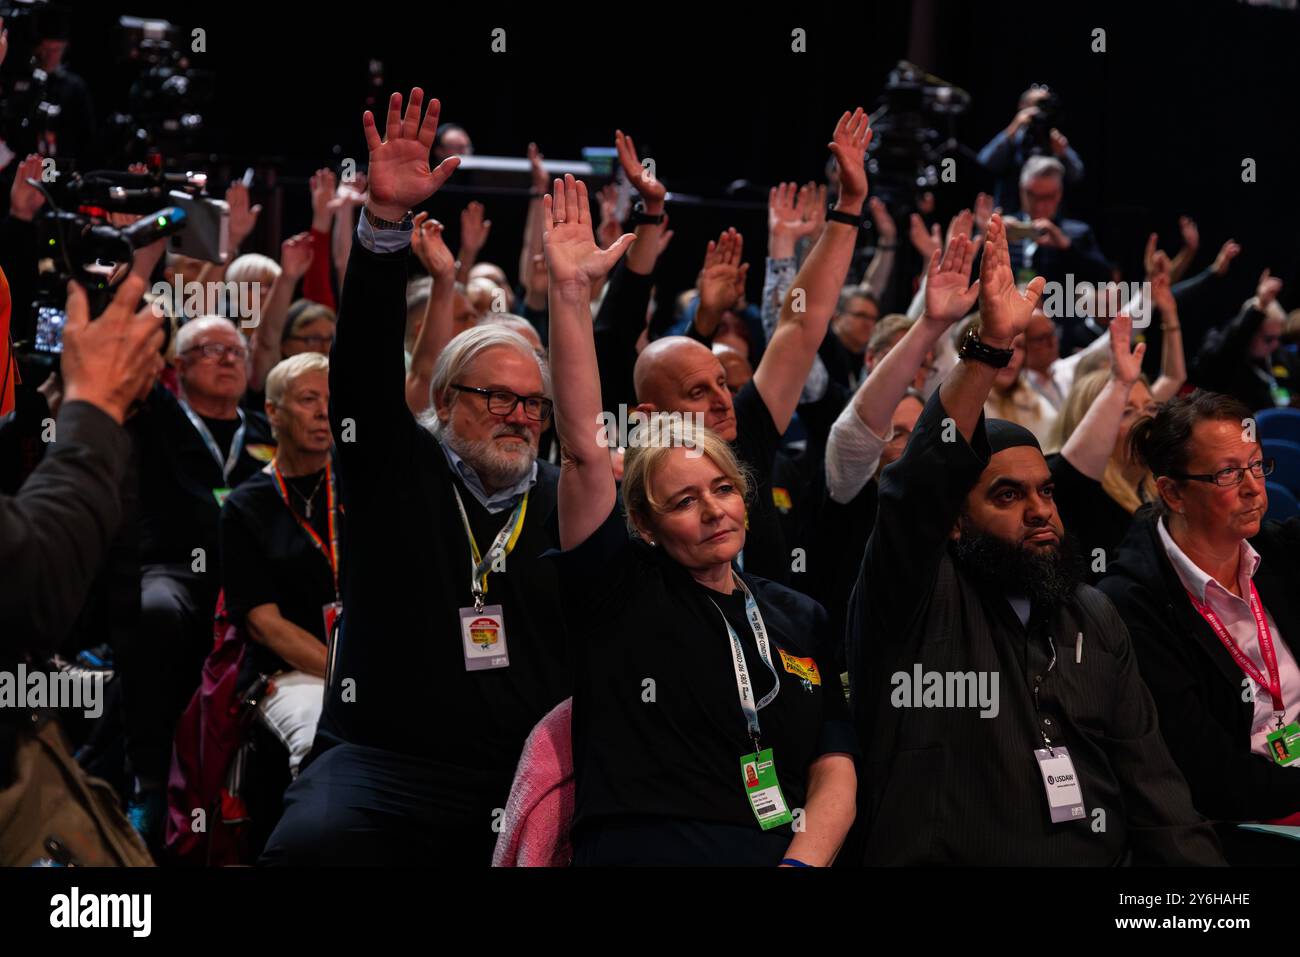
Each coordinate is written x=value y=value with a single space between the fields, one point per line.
x=639 y=217
x=972 y=348
x=834 y=215
x=404 y=223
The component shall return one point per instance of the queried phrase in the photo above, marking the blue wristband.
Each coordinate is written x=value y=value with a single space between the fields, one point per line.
x=795 y=862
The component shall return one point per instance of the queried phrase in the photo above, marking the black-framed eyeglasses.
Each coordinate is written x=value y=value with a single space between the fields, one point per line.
x=219 y=350
x=1234 y=475
x=499 y=402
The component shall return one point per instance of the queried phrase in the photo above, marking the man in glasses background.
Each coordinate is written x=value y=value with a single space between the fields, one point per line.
x=192 y=448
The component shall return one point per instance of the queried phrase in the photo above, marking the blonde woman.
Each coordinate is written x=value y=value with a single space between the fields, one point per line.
x=703 y=727
x=1099 y=485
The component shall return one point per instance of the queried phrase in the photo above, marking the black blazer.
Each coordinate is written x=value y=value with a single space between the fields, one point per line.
x=1196 y=685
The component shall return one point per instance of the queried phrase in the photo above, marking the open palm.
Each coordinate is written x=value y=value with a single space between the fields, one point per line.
x=949 y=294
x=571 y=251
x=1004 y=311
x=399 y=173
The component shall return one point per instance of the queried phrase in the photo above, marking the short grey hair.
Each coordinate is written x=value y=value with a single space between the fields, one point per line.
x=1037 y=167
x=188 y=334
x=461 y=352
x=287 y=371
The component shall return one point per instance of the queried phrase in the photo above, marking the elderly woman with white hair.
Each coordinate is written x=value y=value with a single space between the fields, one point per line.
x=704 y=730
x=282 y=536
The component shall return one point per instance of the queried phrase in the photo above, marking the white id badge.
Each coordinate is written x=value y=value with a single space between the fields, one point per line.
x=1064 y=796
x=483 y=635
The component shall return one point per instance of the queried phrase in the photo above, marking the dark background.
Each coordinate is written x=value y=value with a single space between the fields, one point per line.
x=1162 y=120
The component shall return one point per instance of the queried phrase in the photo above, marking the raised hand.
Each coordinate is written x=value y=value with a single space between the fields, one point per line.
x=1191 y=234
x=610 y=228
x=1227 y=253
x=1125 y=366
x=538 y=171
x=474 y=229
x=665 y=237
x=652 y=191
x=242 y=216
x=849 y=145
x=431 y=249
x=296 y=256
x=960 y=225
x=572 y=255
x=112 y=361
x=1162 y=296
x=812 y=207
x=350 y=194
x=983 y=211
x=886 y=228
x=399 y=172
x=323 y=184
x=949 y=294
x=1059 y=143
x=24 y=198
x=1268 y=288
x=927 y=243
x=786 y=223
x=1004 y=310
x=722 y=280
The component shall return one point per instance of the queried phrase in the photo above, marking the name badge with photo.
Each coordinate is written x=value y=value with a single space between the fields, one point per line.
x=483 y=636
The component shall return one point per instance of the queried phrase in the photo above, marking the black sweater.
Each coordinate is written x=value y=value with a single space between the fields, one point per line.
x=399 y=680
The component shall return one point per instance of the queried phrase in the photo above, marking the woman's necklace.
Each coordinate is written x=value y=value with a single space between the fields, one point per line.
x=307 y=499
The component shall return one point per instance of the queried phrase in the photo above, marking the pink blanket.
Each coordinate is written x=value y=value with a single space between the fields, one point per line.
x=539 y=812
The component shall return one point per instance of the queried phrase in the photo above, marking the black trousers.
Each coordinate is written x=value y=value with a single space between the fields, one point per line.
x=162 y=663
x=357 y=806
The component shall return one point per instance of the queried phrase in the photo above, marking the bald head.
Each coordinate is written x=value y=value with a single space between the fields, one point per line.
x=677 y=374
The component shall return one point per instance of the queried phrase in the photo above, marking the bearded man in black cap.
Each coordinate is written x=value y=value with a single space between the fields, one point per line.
x=1000 y=706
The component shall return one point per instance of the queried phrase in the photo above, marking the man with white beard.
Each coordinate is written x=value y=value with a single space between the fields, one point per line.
x=450 y=648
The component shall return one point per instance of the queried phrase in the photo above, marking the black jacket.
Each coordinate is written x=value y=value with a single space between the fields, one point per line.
x=943 y=785
x=1224 y=365
x=1196 y=684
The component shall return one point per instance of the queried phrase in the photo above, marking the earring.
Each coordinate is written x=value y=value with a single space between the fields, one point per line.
x=653 y=544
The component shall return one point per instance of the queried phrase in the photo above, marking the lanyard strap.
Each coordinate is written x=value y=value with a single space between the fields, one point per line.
x=236 y=444
x=744 y=687
x=503 y=544
x=1274 y=681
x=331 y=502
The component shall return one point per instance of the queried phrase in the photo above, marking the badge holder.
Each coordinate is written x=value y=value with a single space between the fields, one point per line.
x=763 y=789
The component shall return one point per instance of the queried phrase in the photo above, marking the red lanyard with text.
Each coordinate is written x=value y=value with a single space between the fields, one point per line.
x=1274 y=681
x=332 y=553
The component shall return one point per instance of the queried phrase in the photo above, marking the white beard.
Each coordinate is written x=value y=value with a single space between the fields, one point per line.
x=496 y=468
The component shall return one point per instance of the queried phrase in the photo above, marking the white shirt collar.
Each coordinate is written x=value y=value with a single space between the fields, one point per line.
x=1194 y=579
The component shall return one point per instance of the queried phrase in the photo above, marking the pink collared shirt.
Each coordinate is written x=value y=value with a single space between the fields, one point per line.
x=1239 y=621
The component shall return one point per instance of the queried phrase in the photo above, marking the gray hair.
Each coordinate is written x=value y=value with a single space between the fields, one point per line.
x=287 y=371
x=1037 y=167
x=188 y=334
x=461 y=352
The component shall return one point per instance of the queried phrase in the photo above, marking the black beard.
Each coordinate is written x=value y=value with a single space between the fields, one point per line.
x=1045 y=577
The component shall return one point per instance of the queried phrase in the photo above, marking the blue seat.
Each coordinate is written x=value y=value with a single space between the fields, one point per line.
x=1287 y=470
x=1278 y=424
x=1281 y=503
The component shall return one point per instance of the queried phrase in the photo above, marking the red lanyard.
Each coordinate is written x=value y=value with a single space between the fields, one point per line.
x=1274 y=681
x=332 y=554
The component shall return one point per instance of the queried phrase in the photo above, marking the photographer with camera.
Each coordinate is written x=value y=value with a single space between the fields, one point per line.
x=53 y=536
x=1031 y=132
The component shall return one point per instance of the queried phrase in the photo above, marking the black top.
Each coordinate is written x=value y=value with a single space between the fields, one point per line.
x=946 y=785
x=1196 y=684
x=756 y=444
x=408 y=573
x=267 y=558
x=658 y=731
x=1095 y=519
x=178 y=478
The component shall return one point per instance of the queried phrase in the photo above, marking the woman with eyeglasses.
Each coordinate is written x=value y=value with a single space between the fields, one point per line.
x=1208 y=591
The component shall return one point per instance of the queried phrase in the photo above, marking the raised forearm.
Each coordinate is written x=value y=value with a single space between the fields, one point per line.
x=881 y=392
x=821 y=278
x=434 y=334
x=645 y=248
x=1089 y=448
x=1173 y=361
x=964 y=393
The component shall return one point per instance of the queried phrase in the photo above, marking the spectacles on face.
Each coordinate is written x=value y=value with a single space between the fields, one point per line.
x=1233 y=475
x=502 y=403
x=218 y=351
x=314 y=342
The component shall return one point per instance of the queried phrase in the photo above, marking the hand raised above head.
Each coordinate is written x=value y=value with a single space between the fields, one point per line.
x=1004 y=310
x=572 y=255
x=398 y=171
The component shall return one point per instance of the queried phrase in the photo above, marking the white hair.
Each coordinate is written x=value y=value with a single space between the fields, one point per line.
x=461 y=352
x=287 y=371
x=188 y=334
